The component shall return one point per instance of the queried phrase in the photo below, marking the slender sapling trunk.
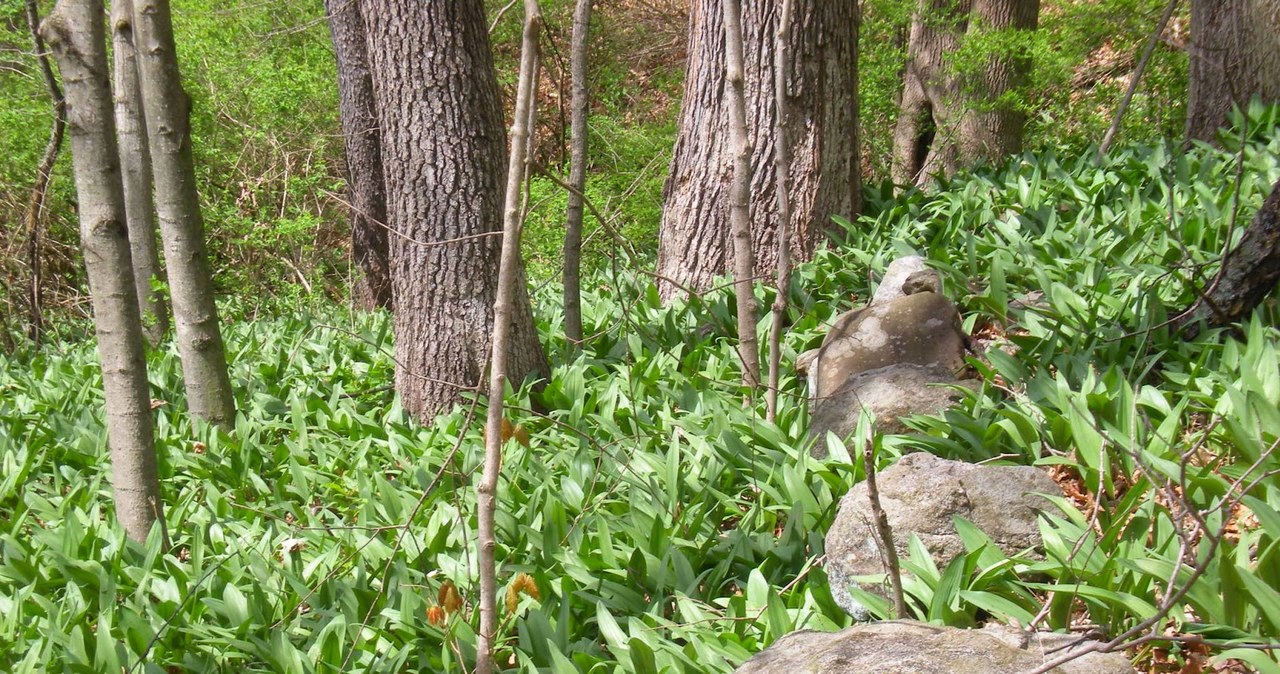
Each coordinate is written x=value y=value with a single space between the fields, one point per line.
x=135 y=162
x=508 y=272
x=579 y=109
x=782 y=166
x=740 y=196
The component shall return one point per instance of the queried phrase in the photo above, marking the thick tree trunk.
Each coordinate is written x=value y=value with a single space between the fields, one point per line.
x=1234 y=55
x=579 y=110
x=167 y=111
x=135 y=162
x=75 y=31
x=365 y=186
x=945 y=122
x=1248 y=275
x=443 y=149
x=821 y=90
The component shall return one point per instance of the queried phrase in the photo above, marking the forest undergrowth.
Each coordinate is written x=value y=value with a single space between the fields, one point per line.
x=647 y=520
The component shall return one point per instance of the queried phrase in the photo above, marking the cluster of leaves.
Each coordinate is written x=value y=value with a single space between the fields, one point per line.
x=1168 y=444
x=647 y=521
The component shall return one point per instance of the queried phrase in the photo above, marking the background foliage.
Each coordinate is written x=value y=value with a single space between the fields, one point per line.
x=269 y=148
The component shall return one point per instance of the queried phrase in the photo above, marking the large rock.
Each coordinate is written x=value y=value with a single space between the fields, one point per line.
x=921 y=494
x=920 y=329
x=908 y=647
x=890 y=393
x=895 y=277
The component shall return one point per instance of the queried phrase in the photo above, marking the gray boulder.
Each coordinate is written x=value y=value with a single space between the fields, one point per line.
x=920 y=329
x=921 y=494
x=895 y=276
x=908 y=647
x=890 y=393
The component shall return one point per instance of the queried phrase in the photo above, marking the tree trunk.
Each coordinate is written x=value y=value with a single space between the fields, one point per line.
x=44 y=175
x=75 y=31
x=1248 y=275
x=135 y=162
x=167 y=111
x=508 y=275
x=821 y=90
x=1234 y=55
x=947 y=122
x=365 y=186
x=782 y=170
x=740 y=195
x=579 y=110
x=443 y=149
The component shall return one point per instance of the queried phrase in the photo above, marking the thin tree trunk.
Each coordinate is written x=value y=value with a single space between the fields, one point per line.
x=740 y=195
x=75 y=31
x=365 y=184
x=694 y=242
x=508 y=275
x=135 y=162
x=782 y=170
x=579 y=109
x=444 y=175
x=1248 y=275
x=44 y=175
x=884 y=533
x=167 y=111
x=1234 y=55
x=1134 y=79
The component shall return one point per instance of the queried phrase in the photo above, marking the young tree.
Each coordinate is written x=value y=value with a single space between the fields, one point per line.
x=821 y=91
x=782 y=173
x=167 y=111
x=949 y=120
x=1234 y=55
x=365 y=186
x=44 y=175
x=135 y=162
x=503 y=304
x=740 y=195
x=443 y=149
x=579 y=110
x=76 y=33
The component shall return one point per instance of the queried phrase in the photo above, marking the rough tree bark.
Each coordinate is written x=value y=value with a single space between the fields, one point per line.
x=740 y=195
x=365 y=186
x=579 y=110
x=443 y=149
x=75 y=31
x=167 y=111
x=946 y=122
x=1248 y=275
x=821 y=90
x=44 y=175
x=1234 y=55
x=135 y=162
x=508 y=275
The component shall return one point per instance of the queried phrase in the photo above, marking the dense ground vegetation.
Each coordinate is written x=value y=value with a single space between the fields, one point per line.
x=647 y=521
